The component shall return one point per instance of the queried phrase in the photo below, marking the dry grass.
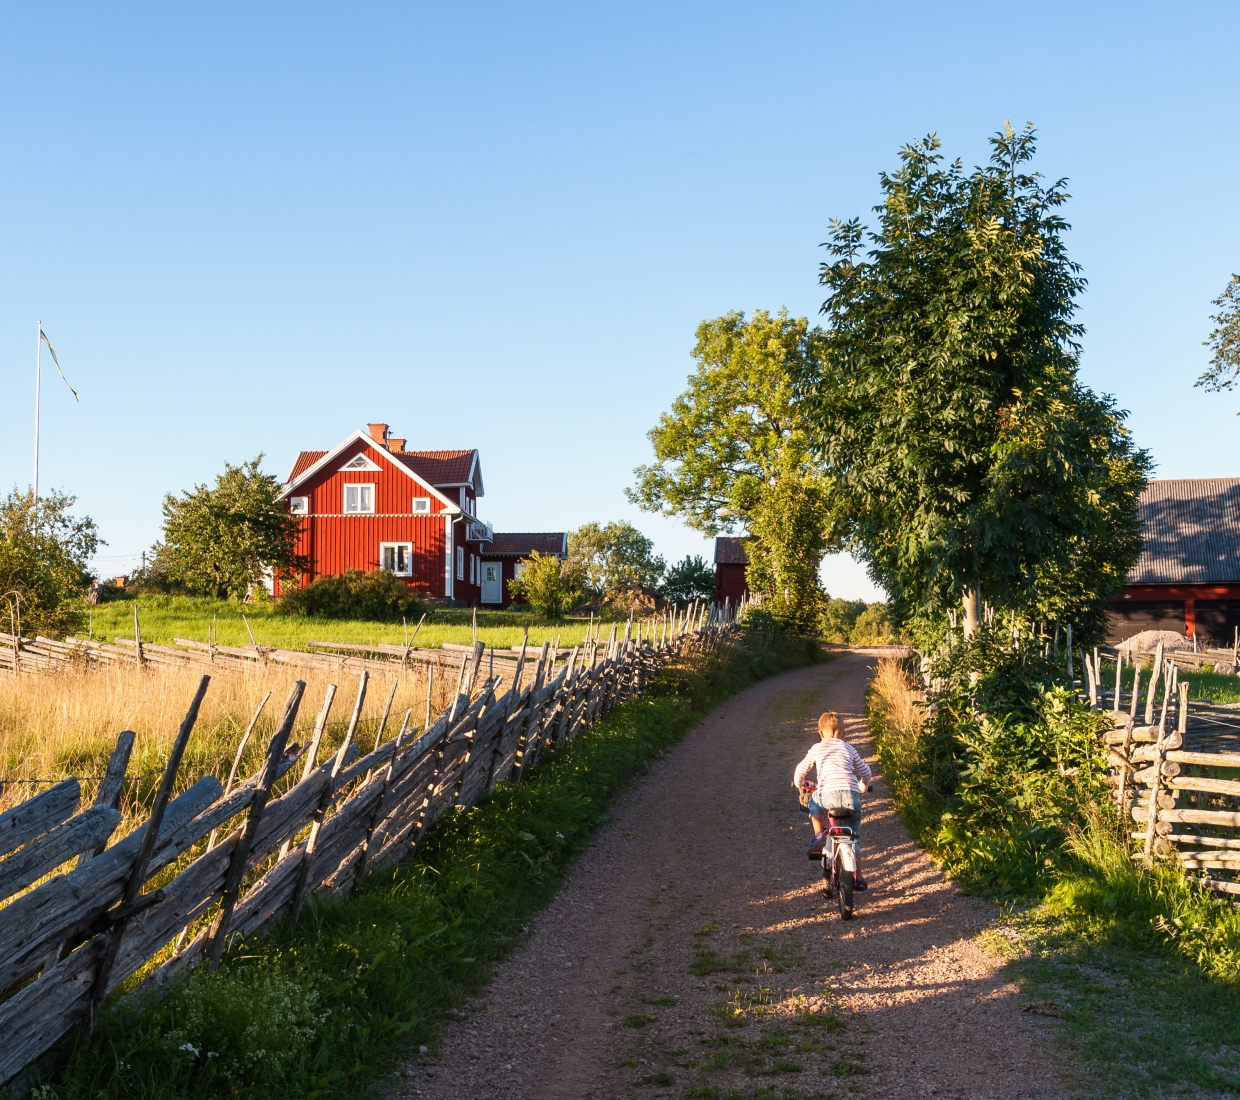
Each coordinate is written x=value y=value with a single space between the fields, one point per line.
x=61 y=724
x=898 y=699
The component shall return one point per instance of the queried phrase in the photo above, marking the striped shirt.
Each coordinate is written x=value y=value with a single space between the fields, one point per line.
x=837 y=766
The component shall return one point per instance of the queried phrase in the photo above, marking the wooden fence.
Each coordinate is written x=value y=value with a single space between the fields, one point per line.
x=1173 y=768
x=225 y=859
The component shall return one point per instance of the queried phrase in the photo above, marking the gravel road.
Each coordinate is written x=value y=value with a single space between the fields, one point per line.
x=691 y=952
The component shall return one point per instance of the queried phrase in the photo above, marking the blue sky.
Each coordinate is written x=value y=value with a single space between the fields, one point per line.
x=255 y=228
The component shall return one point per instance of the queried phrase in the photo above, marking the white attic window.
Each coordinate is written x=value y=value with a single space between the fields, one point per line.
x=359 y=462
x=421 y=506
x=299 y=506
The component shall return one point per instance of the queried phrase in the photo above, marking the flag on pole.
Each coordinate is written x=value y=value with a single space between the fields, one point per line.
x=48 y=342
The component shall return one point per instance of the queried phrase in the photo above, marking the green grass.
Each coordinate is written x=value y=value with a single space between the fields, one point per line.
x=163 y=618
x=1214 y=686
x=330 y=1006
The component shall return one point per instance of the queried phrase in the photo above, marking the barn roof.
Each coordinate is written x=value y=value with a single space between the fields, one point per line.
x=1191 y=530
x=444 y=467
x=730 y=552
x=523 y=543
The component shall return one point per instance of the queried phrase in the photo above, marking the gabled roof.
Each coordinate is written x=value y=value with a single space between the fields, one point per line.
x=1191 y=530
x=522 y=544
x=307 y=466
x=445 y=468
x=730 y=551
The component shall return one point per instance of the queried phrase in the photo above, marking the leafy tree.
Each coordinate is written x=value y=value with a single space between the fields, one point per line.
x=44 y=553
x=613 y=556
x=688 y=580
x=735 y=452
x=948 y=407
x=1224 y=341
x=874 y=626
x=220 y=541
x=838 y=619
x=550 y=586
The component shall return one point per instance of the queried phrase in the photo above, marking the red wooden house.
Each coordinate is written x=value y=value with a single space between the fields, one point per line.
x=731 y=561
x=368 y=503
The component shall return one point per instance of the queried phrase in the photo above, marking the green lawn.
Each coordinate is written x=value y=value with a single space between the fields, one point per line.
x=1213 y=686
x=163 y=618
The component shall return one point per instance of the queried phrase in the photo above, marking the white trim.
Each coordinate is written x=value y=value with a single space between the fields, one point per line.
x=397 y=572
x=424 y=511
x=359 y=511
x=447 y=565
x=299 y=506
x=359 y=462
x=363 y=437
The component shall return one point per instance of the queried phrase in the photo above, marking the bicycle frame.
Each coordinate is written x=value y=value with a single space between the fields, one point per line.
x=842 y=846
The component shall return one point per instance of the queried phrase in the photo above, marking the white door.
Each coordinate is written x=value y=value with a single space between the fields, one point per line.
x=492 y=582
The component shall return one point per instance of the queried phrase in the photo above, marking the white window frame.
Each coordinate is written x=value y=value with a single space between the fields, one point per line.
x=358 y=511
x=299 y=506
x=397 y=547
x=421 y=506
x=473 y=569
x=519 y=567
x=460 y=563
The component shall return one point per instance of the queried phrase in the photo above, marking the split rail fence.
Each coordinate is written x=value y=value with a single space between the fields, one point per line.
x=1174 y=769
x=220 y=860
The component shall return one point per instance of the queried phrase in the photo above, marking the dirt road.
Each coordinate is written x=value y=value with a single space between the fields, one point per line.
x=691 y=952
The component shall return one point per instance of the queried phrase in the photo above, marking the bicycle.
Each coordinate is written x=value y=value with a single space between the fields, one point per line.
x=839 y=858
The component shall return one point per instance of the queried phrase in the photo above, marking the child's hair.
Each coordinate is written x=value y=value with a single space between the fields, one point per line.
x=829 y=724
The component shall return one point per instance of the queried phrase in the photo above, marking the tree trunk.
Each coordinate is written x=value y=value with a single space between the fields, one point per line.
x=972 y=611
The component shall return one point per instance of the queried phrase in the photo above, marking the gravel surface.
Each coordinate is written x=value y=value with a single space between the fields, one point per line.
x=691 y=952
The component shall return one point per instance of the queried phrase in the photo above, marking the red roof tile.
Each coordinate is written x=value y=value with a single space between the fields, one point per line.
x=523 y=543
x=439 y=467
x=304 y=461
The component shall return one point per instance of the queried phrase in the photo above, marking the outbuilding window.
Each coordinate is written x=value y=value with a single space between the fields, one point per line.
x=359 y=500
x=396 y=558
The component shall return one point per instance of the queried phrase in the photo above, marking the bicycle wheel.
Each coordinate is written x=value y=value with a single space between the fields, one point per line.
x=845 y=895
x=826 y=879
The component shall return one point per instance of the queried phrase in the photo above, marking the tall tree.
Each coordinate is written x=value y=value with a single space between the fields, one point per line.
x=1224 y=341
x=734 y=454
x=610 y=557
x=44 y=554
x=221 y=541
x=948 y=406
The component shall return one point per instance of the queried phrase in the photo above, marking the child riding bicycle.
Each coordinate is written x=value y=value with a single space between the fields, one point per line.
x=841 y=777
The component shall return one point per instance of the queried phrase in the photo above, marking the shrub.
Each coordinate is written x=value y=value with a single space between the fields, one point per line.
x=548 y=585
x=377 y=596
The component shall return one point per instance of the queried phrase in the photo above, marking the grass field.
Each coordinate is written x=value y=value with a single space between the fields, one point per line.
x=1212 y=686
x=163 y=618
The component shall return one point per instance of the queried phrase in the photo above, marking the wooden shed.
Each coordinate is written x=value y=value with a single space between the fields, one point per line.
x=731 y=561
x=1187 y=578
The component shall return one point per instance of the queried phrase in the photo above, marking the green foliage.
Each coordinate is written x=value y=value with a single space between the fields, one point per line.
x=613 y=556
x=44 y=552
x=875 y=625
x=838 y=619
x=734 y=452
x=1224 y=341
x=221 y=541
x=550 y=586
x=375 y=595
x=948 y=407
x=688 y=580
x=369 y=977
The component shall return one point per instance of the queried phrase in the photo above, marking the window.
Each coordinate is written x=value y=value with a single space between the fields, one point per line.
x=397 y=558
x=421 y=506
x=460 y=563
x=520 y=568
x=299 y=506
x=359 y=499
x=359 y=462
x=473 y=569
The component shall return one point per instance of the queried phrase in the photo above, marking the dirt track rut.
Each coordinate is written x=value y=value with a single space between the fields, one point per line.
x=691 y=952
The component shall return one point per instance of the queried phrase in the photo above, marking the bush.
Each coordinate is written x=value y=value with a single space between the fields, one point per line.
x=548 y=585
x=376 y=596
x=875 y=626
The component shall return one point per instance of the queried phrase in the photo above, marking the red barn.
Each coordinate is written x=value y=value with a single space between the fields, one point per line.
x=368 y=503
x=731 y=561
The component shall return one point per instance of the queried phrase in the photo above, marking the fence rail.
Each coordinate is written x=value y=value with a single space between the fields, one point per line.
x=243 y=856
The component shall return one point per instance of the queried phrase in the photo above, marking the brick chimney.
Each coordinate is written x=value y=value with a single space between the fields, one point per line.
x=396 y=446
x=379 y=433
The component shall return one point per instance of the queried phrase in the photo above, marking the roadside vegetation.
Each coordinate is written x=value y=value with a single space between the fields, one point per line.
x=1001 y=782
x=335 y=1003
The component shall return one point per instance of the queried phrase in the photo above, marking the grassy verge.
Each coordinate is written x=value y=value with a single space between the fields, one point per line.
x=331 y=1005
x=1142 y=969
x=166 y=617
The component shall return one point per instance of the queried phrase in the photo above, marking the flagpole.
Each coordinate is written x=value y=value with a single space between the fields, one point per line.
x=38 y=378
